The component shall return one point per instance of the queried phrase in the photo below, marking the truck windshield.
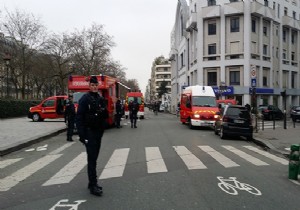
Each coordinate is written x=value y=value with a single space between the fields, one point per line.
x=77 y=96
x=207 y=101
x=139 y=99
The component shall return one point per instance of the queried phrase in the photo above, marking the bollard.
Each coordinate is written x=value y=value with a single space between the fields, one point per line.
x=294 y=162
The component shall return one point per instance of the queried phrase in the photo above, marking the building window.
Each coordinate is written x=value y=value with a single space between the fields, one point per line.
x=212 y=28
x=265 y=81
x=274 y=5
x=294 y=35
x=293 y=56
x=284 y=35
x=284 y=54
x=212 y=78
x=265 y=30
x=293 y=79
x=234 y=24
x=266 y=3
x=234 y=77
x=285 y=11
x=253 y=25
x=182 y=59
x=211 y=2
x=294 y=15
x=212 y=49
x=265 y=49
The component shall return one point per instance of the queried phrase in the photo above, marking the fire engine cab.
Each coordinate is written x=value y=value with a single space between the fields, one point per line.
x=108 y=88
x=51 y=108
x=130 y=96
x=198 y=106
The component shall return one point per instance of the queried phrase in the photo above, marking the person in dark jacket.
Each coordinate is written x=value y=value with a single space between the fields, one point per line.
x=119 y=112
x=90 y=121
x=133 y=108
x=70 y=117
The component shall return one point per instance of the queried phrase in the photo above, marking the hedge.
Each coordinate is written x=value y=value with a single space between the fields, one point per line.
x=15 y=108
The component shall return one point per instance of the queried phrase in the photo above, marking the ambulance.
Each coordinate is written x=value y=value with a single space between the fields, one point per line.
x=108 y=87
x=50 y=108
x=140 y=99
x=198 y=106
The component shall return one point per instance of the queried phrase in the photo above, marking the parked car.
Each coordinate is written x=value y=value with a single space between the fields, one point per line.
x=295 y=113
x=270 y=112
x=234 y=121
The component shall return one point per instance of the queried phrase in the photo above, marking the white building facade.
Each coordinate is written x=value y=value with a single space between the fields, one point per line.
x=237 y=45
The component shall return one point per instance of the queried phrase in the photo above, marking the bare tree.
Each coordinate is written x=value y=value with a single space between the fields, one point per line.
x=91 y=49
x=28 y=35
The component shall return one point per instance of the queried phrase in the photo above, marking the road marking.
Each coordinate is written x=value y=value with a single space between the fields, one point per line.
x=8 y=162
x=223 y=160
x=116 y=164
x=20 y=175
x=246 y=156
x=60 y=149
x=67 y=173
x=155 y=162
x=268 y=155
x=63 y=204
x=191 y=161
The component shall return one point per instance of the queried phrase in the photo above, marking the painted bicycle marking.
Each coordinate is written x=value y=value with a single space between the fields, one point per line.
x=62 y=204
x=231 y=185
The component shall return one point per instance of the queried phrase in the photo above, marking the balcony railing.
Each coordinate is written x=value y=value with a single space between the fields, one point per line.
x=192 y=22
x=234 y=8
x=211 y=11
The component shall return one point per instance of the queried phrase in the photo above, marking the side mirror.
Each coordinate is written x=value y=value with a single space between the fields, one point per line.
x=218 y=113
x=220 y=106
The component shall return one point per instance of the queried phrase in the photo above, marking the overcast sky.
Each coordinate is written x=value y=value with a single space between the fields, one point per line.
x=140 y=28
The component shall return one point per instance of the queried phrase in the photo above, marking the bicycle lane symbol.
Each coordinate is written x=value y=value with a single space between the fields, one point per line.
x=63 y=204
x=231 y=185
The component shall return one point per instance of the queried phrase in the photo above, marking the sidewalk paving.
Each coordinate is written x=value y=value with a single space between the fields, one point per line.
x=18 y=133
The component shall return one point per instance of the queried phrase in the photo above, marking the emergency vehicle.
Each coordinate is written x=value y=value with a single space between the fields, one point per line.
x=198 y=106
x=51 y=108
x=108 y=88
x=130 y=96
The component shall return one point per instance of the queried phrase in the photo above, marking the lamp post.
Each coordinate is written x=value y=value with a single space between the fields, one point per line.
x=7 y=61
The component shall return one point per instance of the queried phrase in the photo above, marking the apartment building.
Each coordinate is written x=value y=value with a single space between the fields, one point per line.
x=237 y=45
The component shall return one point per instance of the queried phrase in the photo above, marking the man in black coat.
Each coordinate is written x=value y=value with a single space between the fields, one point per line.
x=133 y=108
x=91 y=119
x=70 y=117
x=119 y=112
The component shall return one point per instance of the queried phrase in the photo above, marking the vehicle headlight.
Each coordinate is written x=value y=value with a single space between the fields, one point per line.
x=196 y=115
x=216 y=116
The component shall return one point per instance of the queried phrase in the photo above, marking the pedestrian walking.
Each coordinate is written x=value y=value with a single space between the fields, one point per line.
x=70 y=117
x=119 y=112
x=133 y=110
x=91 y=119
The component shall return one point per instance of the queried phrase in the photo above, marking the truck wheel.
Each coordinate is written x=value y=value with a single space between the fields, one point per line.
x=36 y=117
x=222 y=135
x=190 y=124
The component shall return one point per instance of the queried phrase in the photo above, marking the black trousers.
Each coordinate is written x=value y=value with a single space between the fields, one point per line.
x=70 y=129
x=133 y=118
x=118 y=120
x=92 y=149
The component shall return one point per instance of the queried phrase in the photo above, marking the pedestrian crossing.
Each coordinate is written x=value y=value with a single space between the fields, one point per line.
x=154 y=162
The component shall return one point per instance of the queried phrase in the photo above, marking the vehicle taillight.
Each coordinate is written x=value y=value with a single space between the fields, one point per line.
x=266 y=110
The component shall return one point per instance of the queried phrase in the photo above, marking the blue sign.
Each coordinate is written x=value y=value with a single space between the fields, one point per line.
x=253 y=82
x=228 y=90
x=262 y=90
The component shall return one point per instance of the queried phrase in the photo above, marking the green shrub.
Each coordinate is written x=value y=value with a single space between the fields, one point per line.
x=15 y=108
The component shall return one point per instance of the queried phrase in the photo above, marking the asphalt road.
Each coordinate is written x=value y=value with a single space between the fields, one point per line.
x=160 y=165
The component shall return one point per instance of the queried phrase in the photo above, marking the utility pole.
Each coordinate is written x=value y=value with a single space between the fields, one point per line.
x=7 y=61
x=283 y=94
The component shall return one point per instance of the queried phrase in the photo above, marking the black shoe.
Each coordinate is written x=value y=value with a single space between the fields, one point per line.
x=131 y=126
x=70 y=139
x=135 y=126
x=96 y=190
x=90 y=185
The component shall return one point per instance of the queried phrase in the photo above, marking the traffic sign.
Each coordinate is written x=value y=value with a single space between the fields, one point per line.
x=253 y=82
x=253 y=71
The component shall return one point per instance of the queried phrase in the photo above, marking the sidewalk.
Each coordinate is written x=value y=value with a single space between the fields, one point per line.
x=17 y=133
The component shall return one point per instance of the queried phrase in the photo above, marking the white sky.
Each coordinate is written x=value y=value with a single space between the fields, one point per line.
x=140 y=28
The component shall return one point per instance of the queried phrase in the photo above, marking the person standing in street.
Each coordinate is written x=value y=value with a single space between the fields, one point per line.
x=119 y=111
x=70 y=117
x=133 y=110
x=91 y=119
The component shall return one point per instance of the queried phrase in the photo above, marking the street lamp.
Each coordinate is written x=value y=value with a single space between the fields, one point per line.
x=7 y=58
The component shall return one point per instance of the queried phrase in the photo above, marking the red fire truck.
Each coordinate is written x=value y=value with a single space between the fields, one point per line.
x=108 y=88
x=140 y=99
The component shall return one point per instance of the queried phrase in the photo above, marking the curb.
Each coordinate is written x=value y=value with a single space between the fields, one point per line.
x=267 y=146
x=32 y=141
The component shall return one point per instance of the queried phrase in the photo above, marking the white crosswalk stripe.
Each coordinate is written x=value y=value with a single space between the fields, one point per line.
x=266 y=154
x=67 y=173
x=62 y=148
x=20 y=175
x=116 y=164
x=190 y=160
x=155 y=162
x=226 y=162
x=246 y=156
x=8 y=162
